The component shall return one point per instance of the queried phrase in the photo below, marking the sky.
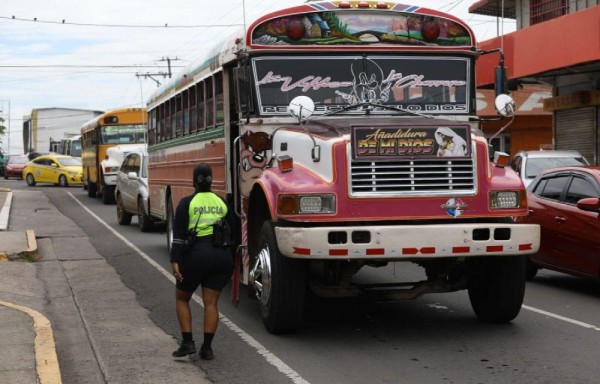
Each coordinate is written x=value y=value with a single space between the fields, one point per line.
x=95 y=58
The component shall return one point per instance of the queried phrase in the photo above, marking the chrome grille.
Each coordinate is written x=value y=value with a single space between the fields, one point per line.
x=413 y=177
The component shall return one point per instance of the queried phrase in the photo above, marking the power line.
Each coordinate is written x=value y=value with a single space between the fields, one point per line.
x=83 y=66
x=166 y=25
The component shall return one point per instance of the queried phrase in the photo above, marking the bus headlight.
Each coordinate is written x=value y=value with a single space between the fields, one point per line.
x=301 y=204
x=504 y=199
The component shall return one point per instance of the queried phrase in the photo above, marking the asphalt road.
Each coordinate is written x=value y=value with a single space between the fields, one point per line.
x=434 y=339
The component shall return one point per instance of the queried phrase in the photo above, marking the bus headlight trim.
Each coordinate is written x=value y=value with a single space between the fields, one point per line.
x=504 y=199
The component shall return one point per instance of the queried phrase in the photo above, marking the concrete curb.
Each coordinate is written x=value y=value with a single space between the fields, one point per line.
x=46 y=360
x=29 y=254
x=5 y=210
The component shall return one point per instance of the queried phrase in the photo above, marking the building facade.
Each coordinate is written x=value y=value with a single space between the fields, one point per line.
x=556 y=43
x=45 y=127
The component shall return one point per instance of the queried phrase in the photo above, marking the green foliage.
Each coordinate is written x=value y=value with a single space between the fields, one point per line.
x=2 y=129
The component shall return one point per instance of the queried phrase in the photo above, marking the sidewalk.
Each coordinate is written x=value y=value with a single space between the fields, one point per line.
x=75 y=304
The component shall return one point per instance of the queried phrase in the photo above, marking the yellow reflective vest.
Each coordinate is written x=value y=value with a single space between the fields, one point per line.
x=206 y=208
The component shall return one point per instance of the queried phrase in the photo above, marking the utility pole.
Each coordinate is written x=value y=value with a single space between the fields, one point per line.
x=163 y=74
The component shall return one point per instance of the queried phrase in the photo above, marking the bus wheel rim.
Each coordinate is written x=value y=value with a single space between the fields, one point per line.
x=260 y=276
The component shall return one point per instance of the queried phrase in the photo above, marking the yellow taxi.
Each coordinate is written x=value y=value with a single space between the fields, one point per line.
x=56 y=169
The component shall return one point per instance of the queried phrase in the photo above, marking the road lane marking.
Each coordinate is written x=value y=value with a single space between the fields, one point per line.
x=252 y=342
x=562 y=318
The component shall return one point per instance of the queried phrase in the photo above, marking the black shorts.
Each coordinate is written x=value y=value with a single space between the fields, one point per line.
x=205 y=265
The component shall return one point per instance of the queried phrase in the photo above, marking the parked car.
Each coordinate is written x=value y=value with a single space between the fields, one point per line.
x=565 y=202
x=56 y=169
x=131 y=192
x=14 y=166
x=529 y=164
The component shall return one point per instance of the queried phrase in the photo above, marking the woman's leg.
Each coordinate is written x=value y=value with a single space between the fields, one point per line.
x=182 y=307
x=210 y=297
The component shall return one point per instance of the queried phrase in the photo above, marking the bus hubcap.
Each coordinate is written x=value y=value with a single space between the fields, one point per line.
x=260 y=275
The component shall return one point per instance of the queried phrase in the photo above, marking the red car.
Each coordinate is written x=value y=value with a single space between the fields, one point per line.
x=565 y=202
x=14 y=166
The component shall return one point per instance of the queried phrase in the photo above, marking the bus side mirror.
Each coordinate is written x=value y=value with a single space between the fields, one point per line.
x=505 y=105
x=501 y=81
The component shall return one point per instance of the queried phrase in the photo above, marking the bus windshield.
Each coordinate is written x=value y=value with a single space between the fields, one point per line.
x=432 y=85
x=76 y=147
x=123 y=134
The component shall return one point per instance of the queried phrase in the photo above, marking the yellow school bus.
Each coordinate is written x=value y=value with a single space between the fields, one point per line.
x=104 y=141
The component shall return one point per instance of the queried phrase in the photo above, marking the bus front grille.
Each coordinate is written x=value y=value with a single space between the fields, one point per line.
x=412 y=177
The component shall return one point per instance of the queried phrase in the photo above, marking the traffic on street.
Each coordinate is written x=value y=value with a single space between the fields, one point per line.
x=305 y=192
x=434 y=339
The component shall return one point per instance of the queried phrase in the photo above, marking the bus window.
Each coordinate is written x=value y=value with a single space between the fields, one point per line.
x=210 y=103
x=171 y=118
x=193 y=110
x=186 y=112
x=178 y=116
x=220 y=111
x=201 y=109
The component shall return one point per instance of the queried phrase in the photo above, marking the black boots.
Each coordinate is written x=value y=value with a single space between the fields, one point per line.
x=206 y=353
x=186 y=348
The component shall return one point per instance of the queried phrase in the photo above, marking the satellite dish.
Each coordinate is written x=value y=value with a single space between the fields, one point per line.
x=301 y=107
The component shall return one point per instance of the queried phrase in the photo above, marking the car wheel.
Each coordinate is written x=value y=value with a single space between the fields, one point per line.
x=30 y=180
x=530 y=269
x=280 y=285
x=123 y=218
x=62 y=181
x=144 y=221
x=496 y=287
x=170 y=224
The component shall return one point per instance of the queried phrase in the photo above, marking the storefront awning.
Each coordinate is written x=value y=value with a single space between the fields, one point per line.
x=494 y=8
x=565 y=45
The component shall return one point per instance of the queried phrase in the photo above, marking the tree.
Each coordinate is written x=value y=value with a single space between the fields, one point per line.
x=2 y=129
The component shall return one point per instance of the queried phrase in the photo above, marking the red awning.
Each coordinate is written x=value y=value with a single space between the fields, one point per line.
x=570 y=42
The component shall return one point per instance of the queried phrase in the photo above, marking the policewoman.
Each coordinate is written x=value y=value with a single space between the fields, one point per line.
x=204 y=264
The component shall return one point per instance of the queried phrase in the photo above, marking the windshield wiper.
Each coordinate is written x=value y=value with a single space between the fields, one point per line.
x=370 y=105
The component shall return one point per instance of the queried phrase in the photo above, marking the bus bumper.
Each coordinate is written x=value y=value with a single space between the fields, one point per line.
x=408 y=241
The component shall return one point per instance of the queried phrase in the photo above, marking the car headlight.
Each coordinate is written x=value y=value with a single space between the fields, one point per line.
x=288 y=204
x=504 y=199
x=111 y=169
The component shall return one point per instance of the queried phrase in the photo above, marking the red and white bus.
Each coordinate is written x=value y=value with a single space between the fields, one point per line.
x=345 y=135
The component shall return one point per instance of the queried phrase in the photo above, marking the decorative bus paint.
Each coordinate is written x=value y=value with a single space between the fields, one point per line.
x=105 y=140
x=392 y=165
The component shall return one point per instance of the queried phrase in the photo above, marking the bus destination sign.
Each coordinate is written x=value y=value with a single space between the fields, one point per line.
x=392 y=142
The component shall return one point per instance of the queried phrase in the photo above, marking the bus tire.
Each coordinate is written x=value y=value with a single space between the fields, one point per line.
x=92 y=188
x=282 y=285
x=123 y=218
x=144 y=221
x=62 y=181
x=30 y=180
x=108 y=195
x=496 y=287
x=170 y=224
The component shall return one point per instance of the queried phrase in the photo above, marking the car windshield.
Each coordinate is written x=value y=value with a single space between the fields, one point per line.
x=68 y=161
x=17 y=160
x=536 y=165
